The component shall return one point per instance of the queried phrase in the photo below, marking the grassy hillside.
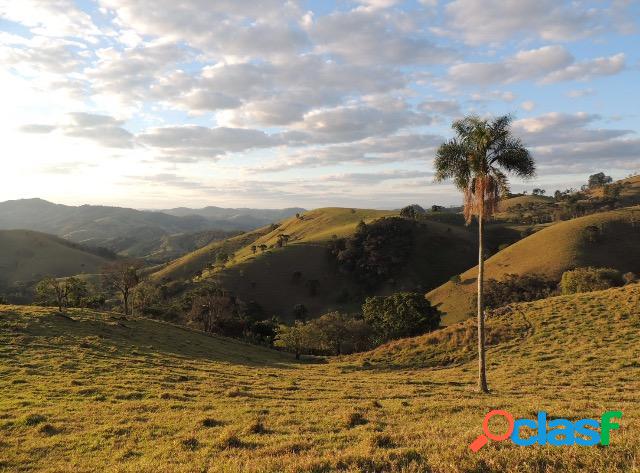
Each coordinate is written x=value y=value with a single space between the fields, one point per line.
x=524 y=200
x=93 y=392
x=550 y=252
x=29 y=256
x=267 y=277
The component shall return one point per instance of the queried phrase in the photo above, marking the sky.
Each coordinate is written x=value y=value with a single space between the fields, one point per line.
x=272 y=103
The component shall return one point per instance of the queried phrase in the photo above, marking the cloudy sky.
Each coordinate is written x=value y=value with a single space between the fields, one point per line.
x=272 y=103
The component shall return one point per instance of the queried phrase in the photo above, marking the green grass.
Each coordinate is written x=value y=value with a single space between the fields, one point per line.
x=30 y=256
x=550 y=252
x=98 y=393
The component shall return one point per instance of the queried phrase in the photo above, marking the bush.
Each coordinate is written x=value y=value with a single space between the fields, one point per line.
x=516 y=288
x=589 y=279
x=404 y=314
x=629 y=278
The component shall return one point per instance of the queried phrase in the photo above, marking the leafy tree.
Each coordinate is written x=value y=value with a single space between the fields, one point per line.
x=589 y=279
x=437 y=208
x=313 y=285
x=283 y=239
x=478 y=160
x=254 y=248
x=338 y=333
x=215 y=309
x=598 y=180
x=403 y=314
x=146 y=296
x=538 y=191
x=52 y=291
x=263 y=248
x=67 y=292
x=296 y=339
x=122 y=277
x=300 y=312
x=222 y=258
x=408 y=212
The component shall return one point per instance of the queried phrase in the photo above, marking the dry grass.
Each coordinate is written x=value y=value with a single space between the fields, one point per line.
x=143 y=396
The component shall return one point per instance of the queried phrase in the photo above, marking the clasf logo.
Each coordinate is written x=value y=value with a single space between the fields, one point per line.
x=583 y=432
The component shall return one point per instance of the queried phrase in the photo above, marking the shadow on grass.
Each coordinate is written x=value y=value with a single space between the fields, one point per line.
x=111 y=335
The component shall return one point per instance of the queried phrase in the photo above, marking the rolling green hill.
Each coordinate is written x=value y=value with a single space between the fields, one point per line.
x=268 y=277
x=93 y=392
x=604 y=239
x=27 y=256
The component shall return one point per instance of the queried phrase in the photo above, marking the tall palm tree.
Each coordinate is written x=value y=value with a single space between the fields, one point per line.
x=478 y=160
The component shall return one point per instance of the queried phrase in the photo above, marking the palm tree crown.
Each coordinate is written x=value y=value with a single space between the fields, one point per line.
x=478 y=160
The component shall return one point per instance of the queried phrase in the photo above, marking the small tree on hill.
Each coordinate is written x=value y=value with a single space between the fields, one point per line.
x=213 y=307
x=408 y=212
x=52 y=291
x=300 y=312
x=598 y=180
x=122 y=277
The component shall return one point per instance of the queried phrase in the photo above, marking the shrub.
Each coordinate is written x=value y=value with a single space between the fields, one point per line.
x=629 y=277
x=455 y=279
x=404 y=314
x=589 y=279
x=517 y=288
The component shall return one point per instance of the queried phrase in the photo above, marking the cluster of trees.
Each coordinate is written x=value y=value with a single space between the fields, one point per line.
x=592 y=279
x=63 y=293
x=215 y=310
x=376 y=251
x=400 y=315
x=518 y=288
x=529 y=287
x=331 y=334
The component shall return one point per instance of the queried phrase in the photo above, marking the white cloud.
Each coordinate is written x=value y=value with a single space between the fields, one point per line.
x=546 y=65
x=572 y=141
x=576 y=93
x=528 y=105
x=443 y=107
x=374 y=37
x=222 y=29
x=192 y=143
x=488 y=21
x=585 y=70
x=102 y=129
x=56 y=18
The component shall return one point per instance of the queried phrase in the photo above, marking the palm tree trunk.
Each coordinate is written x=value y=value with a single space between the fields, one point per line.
x=482 y=364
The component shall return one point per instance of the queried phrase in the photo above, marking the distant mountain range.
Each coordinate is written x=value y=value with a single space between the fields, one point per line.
x=236 y=219
x=133 y=232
